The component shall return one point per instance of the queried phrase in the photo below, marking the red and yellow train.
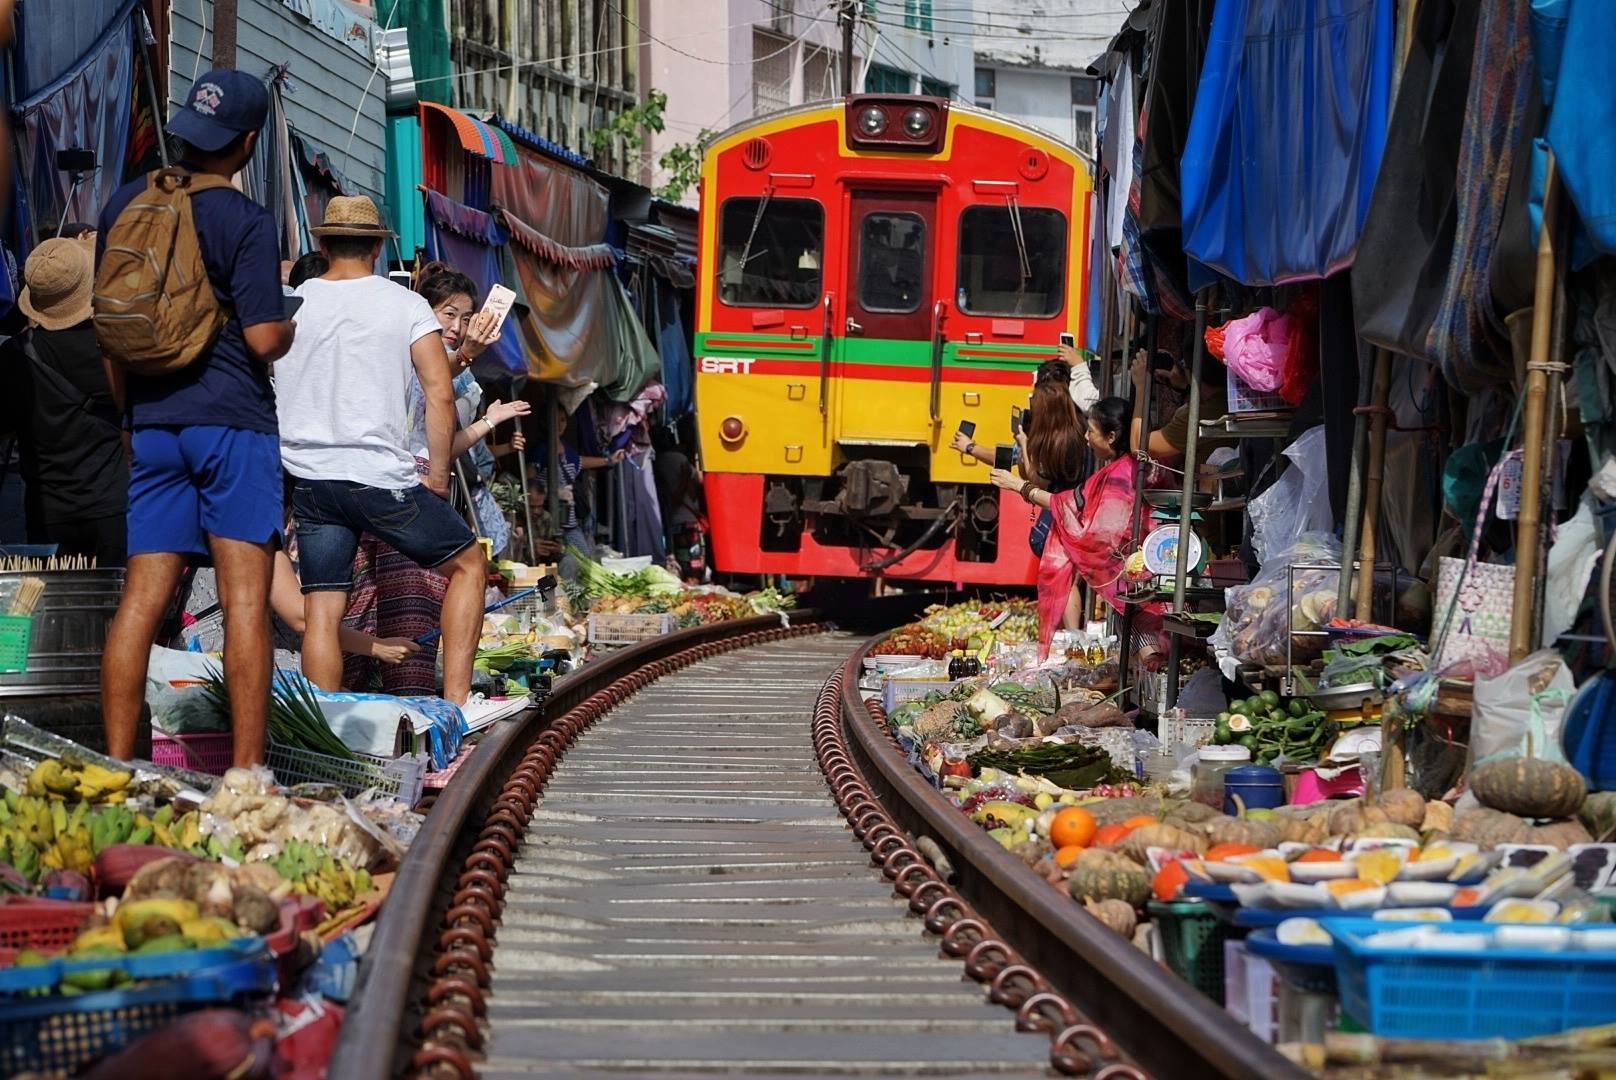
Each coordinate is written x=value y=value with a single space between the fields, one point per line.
x=872 y=273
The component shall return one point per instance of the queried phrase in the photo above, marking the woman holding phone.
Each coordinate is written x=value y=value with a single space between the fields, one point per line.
x=392 y=596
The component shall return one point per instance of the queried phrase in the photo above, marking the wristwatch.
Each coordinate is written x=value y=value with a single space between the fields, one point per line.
x=970 y=446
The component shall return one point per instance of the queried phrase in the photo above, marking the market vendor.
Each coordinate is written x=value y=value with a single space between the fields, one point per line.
x=1170 y=440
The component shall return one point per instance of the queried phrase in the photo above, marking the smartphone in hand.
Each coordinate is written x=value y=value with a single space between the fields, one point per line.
x=1004 y=457
x=1068 y=340
x=499 y=304
x=967 y=428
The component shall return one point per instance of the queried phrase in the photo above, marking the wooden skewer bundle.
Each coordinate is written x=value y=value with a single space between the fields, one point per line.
x=27 y=596
x=31 y=565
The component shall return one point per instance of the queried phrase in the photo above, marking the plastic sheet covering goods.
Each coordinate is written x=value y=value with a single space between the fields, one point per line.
x=1289 y=124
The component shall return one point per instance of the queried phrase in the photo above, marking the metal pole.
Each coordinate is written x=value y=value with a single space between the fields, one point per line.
x=1521 y=630
x=848 y=17
x=1368 y=541
x=159 y=107
x=1192 y=440
x=552 y=455
x=527 y=507
x=1142 y=407
x=1350 y=527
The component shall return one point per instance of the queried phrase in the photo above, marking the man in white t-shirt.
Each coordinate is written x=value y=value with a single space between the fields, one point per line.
x=341 y=397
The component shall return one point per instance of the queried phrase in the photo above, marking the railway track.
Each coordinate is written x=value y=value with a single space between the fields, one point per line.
x=711 y=883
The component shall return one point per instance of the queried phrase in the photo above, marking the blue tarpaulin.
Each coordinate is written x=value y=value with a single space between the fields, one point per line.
x=1289 y=124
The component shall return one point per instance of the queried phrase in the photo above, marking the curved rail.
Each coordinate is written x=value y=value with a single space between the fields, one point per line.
x=1152 y=1015
x=419 y=1001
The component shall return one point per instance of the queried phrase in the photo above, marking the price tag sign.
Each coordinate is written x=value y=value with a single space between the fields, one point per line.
x=1509 y=487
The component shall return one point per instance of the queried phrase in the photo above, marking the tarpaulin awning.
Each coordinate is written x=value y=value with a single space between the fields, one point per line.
x=469 y=240
x=587 y=257
x=1286 y=138
x=475 y=136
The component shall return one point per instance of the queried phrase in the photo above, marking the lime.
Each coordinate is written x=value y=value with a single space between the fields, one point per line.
x=1223 y=717
x=1298 y=707
x=1269 y=699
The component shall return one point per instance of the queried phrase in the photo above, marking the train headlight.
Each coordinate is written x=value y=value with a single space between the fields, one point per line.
x=731 y=430
x=872 y=121
x=917 y=124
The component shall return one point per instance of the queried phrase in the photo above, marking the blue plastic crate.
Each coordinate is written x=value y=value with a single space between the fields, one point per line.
x=1492 y=992
x=61 y=1034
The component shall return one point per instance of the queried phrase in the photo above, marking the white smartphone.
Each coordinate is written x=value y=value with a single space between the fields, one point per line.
x=499 y=304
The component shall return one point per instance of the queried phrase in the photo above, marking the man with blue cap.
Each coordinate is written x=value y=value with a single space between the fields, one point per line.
x=205 y=478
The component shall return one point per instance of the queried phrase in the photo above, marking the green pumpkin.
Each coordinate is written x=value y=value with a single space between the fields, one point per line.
x=1108 y=878
x=1529 y=787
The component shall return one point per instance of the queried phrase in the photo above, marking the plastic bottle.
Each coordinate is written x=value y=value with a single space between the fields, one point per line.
x=956 y=665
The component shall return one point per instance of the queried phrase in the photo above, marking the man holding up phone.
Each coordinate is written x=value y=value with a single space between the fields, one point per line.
x=341 y=394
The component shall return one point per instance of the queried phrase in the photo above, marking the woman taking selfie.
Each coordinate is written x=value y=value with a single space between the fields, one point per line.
x=1091 y=529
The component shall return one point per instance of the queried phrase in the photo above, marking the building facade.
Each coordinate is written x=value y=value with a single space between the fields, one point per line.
x=1031 y=56
x=722 y=62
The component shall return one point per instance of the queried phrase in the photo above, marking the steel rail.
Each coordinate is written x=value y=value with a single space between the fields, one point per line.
x=1153 y=1016
x=388 y=1002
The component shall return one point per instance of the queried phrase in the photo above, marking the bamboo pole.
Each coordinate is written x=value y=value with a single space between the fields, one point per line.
x=1374 y=479
x=1522 y=628
x=1353 y=520
x=1192 y=438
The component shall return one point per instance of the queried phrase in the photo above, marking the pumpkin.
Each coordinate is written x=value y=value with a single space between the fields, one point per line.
x=1561 y=834
x=1169 y=881
x=1391 y=831
x=1189 y=813
x=1530 y=787
x=1117 y=916
x=1354 y=816
x=1116 y=811
x=1598 y=813
x=1312 y=829
x=1111 y=836
x=1258 y=834
x=1170 y=837
x=1402 y=806
x=1489 y=828
x=1438 y=817
x=1102 y=875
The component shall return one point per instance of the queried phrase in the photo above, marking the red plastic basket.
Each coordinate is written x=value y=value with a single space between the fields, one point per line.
x=204 y=751
x=45 y=926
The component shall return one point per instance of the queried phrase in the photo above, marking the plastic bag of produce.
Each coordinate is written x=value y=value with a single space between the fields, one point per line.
x=1518 y=713
x=1261 y=614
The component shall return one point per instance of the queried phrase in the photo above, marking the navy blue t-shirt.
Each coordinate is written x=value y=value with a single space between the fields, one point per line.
x=225 y=387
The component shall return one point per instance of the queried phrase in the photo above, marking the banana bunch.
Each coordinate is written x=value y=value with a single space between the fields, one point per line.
x=118 y=825
x=312 y=870
x=84 y=781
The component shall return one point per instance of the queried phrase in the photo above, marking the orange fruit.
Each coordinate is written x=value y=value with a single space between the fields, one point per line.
x=1067 y=855
x=1073 y=825
x=1169 y=880
x=1109 y=836
x=1319 y=854
x=1224 y=852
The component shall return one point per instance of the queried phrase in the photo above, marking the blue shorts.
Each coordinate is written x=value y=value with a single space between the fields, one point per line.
x=330 y=515
x=189 y=483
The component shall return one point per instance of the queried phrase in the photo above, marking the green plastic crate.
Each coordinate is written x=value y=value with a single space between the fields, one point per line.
x=1192 y=937
x=16 y=634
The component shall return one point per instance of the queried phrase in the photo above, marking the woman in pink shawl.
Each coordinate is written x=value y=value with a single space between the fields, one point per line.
x=1092 y=532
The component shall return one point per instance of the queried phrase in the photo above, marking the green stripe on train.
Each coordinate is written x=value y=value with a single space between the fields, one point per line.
x=887 y=351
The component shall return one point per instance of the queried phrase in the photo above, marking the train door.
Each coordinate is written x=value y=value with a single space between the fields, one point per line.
x=885 y=355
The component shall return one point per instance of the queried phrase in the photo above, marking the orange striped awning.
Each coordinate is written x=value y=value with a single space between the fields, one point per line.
x=476 y=137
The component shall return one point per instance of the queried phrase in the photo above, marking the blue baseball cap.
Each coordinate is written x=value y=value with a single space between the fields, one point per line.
x=222 y=105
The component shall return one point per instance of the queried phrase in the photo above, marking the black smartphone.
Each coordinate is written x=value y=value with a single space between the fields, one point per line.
x=1017 y=420
x=967 y=428
x=1069 y=341
x=1004 y=457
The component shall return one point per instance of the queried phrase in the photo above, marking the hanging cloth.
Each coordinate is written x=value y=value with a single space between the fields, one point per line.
x=1408 y=236
x=1466 y=338
x=1286 y=137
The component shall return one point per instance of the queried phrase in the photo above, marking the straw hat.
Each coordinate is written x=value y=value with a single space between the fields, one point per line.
x=352 y=215
x=60 y=280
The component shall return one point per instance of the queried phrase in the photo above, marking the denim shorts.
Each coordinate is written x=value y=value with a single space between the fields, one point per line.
x=187 y=484
x=330 y=515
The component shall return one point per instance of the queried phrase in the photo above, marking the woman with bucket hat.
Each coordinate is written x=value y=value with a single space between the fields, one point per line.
x=68 y=419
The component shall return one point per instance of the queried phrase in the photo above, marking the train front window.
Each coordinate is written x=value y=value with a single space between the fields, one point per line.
x=771 y=252
x=1012 y=261
x=892 y=262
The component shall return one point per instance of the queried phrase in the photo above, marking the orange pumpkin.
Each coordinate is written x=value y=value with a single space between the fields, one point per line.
x=1319 y=854
x=1073 y=825
x=1109 y=836
x=1169 y=881
x=1139 y=821
x=1225 y=852
x=1066 y=856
